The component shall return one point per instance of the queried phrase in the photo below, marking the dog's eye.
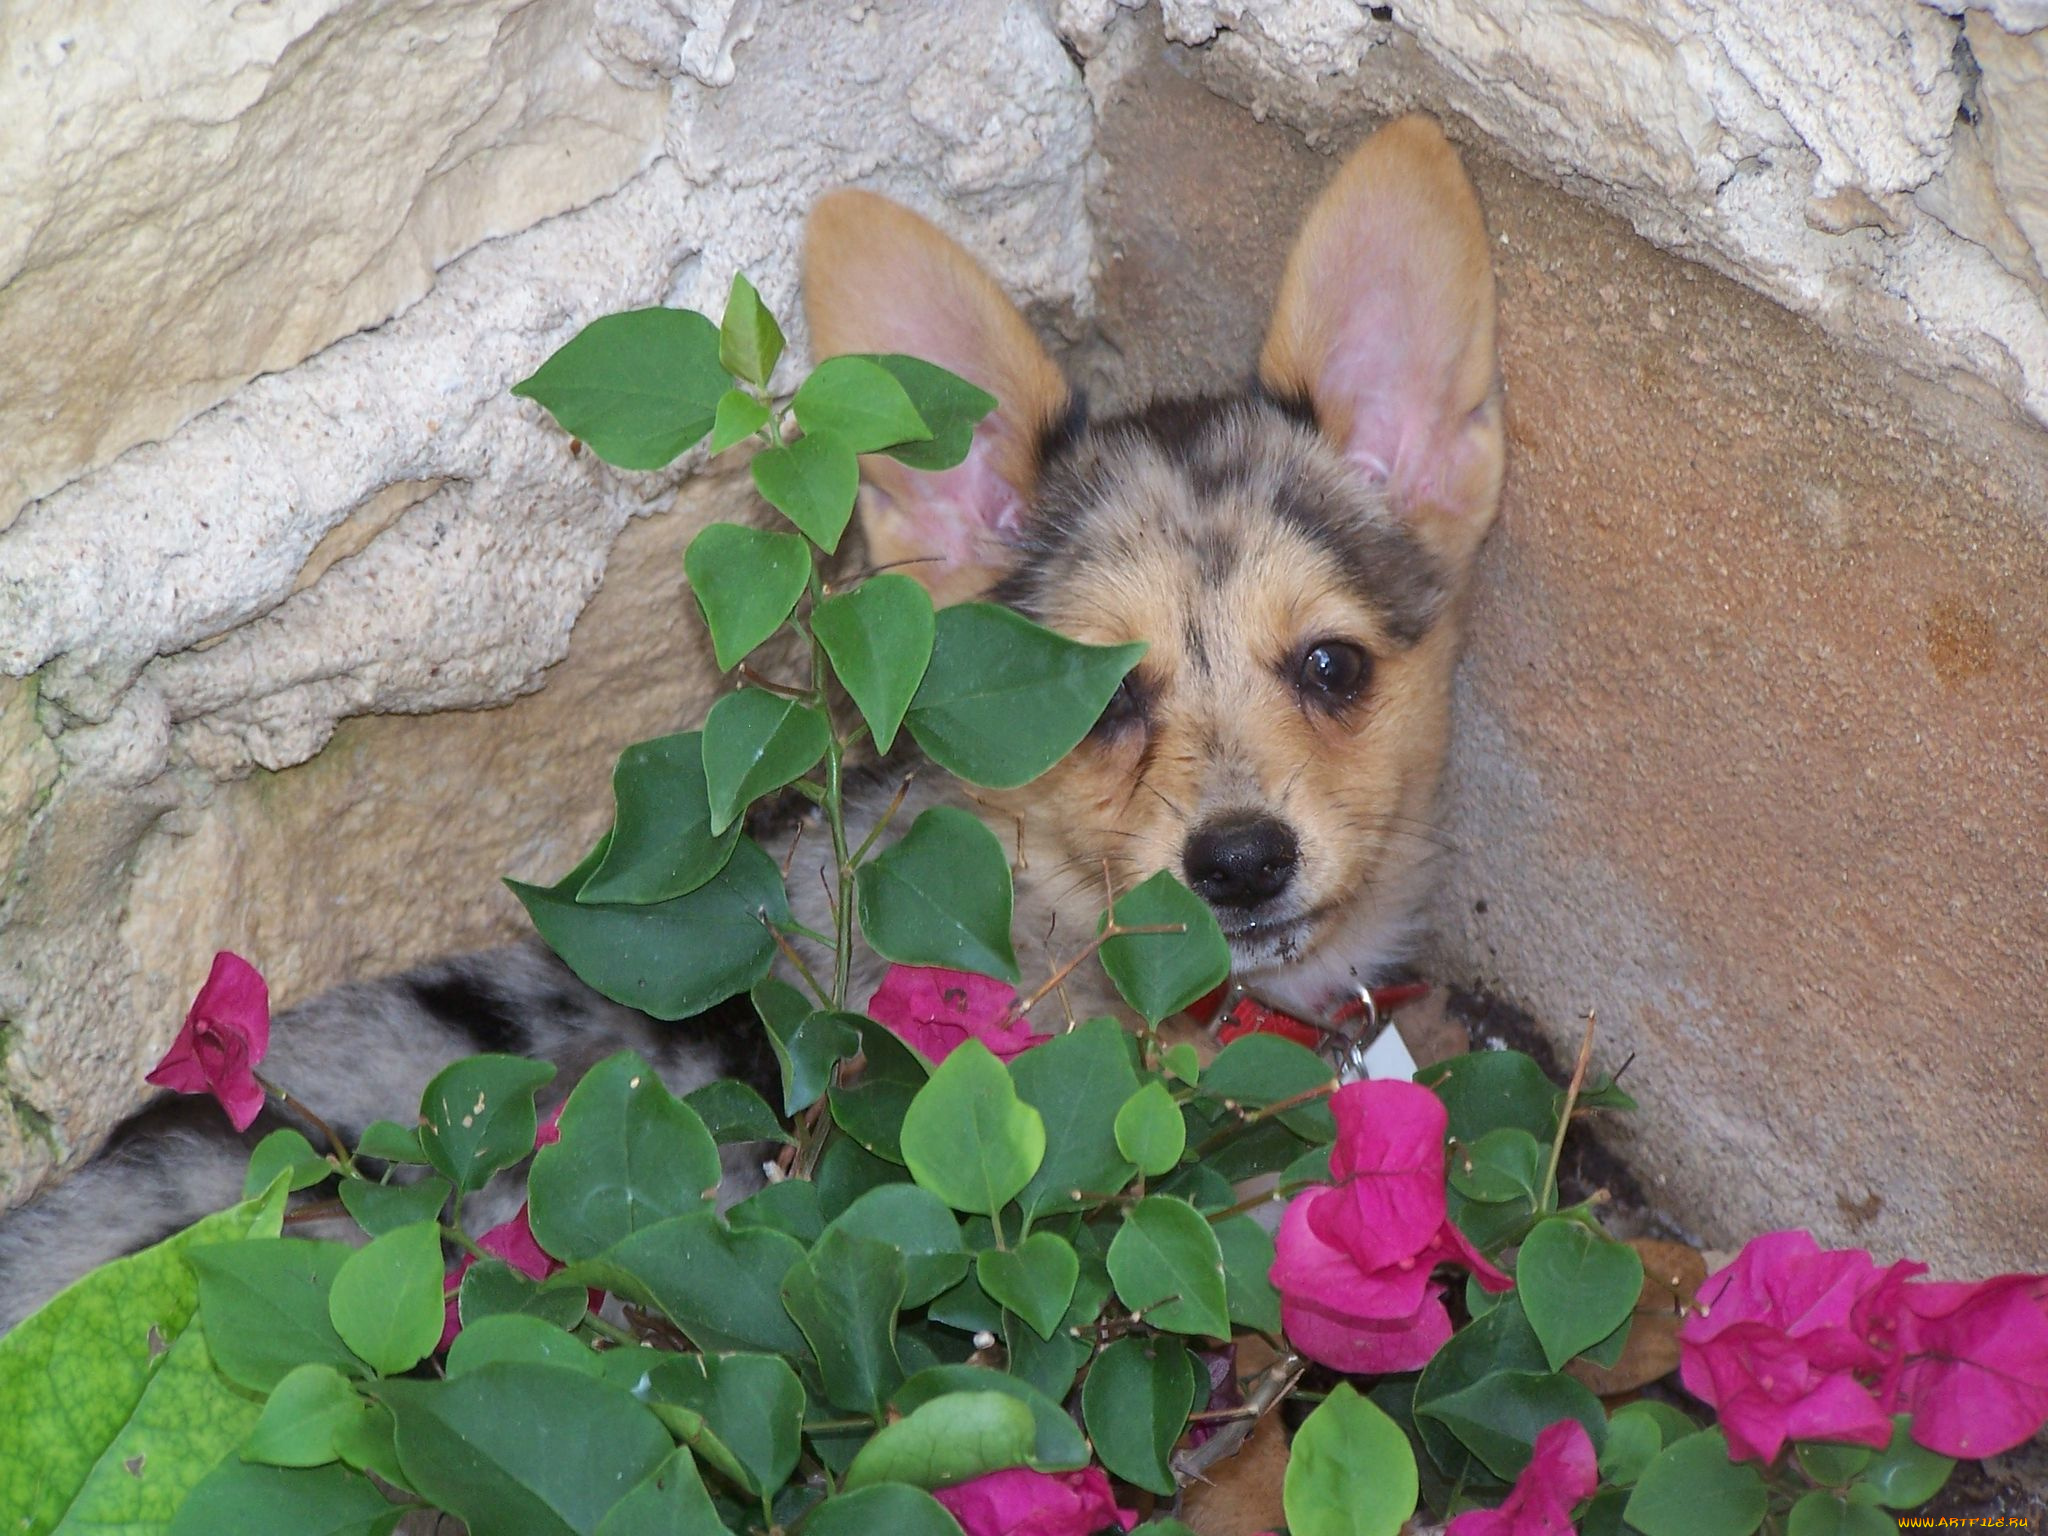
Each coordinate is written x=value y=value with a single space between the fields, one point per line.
x=1126 y=707
x=1334 y=671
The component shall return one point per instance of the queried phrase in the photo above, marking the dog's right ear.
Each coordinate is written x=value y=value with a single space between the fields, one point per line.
x=877 y=278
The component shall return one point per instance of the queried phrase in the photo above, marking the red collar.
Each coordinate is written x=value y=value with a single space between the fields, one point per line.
x=1247 y=1015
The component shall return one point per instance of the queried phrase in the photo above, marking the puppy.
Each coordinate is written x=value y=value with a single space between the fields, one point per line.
x=1295 y=554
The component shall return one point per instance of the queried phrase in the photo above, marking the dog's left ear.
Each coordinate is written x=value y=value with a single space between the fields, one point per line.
x=1385 y=324
x=878 y=278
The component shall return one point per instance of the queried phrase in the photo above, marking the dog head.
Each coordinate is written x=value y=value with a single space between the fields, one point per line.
x=1295 y=556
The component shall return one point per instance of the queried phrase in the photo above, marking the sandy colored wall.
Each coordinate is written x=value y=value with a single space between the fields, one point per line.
x=308 y=630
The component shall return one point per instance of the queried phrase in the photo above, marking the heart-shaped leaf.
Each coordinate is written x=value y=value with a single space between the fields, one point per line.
x=859 y=402
x=1161 y=973
x=871 y=1108
x=749 y=340
x=661 y=843
x=1059 y=1445
x=1350 y=1470
x=1150 y=1130
x=721 y=1286
x=812 y=482
x=919 y=1225
x=948 y=1440
x=640 y=388
x=949 y=405
x=381 y=1208
x=1693 y=1489
x=747 y=582
x=1004 y=699
x=749 y=1407
x=1077 y=1082
x=969 y=1139
x=739 y=417
x=1035 y=1279
x=879 y=640
x=756 y=741
x=1135 y=1403
x=941 y=896
x=239 y=1498
x=844 y=1294
x=477 y=1116
x=387 y=1302
x=1167 y=1265
x=1577 y=1286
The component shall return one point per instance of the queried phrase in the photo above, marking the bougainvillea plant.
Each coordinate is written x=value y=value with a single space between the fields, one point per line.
x=1010 y=1276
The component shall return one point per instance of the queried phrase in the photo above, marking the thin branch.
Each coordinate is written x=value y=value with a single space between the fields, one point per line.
x=888 y=814
x=789 y=953
x=1267 y=1392
x=1112 y=930
x=1564 y=1117
x=768 y=684
x=283 y=1097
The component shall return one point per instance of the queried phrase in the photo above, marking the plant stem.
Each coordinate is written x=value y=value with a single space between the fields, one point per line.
x=284 y=1097
x=1111 y=930
x=1564 y=1115
x=1278 y=1107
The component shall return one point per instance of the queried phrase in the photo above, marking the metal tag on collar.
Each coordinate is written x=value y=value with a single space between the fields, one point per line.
x=1346 y=1051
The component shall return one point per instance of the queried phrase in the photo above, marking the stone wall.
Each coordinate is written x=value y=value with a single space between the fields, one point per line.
x=308 y=630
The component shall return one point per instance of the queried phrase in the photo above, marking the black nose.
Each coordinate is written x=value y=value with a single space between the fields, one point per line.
x=1240 y=861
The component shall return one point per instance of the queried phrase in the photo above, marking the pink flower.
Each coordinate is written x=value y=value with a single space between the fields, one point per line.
x=549 y=1131
x=225 y=1035
x=1354 y=1260
x=1794 y=1342
x=937 y=1011
x=513 y=1241
x=1562 y=1472
x=1976 y=1371
x=1024 y=1502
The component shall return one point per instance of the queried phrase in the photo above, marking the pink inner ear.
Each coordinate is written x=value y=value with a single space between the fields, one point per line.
x=1389 y=378
x=957 y=513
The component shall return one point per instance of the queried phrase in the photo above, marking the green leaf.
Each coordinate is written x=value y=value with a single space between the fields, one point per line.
x=387 y=1303
x=1485 y=1090
x=948 y=1440
x=1502 y=1166
x=238 y=1499
x=739 y=417
x=1182 y=1062
x=1502 y=1340
x=721 y=1287
x=746 y=582
x=1247 y=1256
x=1035 y=1279
x=1499 y=1417
x=744 y=1413
x=968 y=1138
x=1693 y=1489
x=756 y=741
x=185 y=1420
x=381 y=1208
x=391 y=1142
x=1350 y=1471
x=807 y=1047
x=860 y=403
x=871 y=1108
x=1058 y=1445
x=676 y=958
x=731 y=1111
x=1905 y=1474
x=749 y=340
x=1150 y=1131
x=941 y=896
x=1822 y=1514
x=1577 y=1286
x=1833 y=1466
x=949 y=405
x=631 y=1154
x=1161 y=973
x=791 y=1206
x=1259 y=1070
x=812 y=482
x=284 y=1151
x=847 y=1171
x=266 y=1305
x=878 y=638
x=370 y=1444
x=1135 y=1404
x=919 y=1225
x=1633 y=1440
x=522 y=1340
x=1167 y=1265
x=845 y=1295
x=493 y=1288
x=641 y=388
x=1004 y=699
x=477 y=1116
x=310 y=1407
x=891 y=1507
x=1077 y=1082
x=661 y=844
x=670 y=1501
x=475 y=1447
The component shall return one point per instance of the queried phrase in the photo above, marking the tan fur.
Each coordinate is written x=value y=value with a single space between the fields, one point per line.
x=1398 y=240
x=878 y=278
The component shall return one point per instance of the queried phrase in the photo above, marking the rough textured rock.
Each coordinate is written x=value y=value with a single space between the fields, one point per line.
x=1854 y=161
x=1752 y=721
x=215 y=194
x=385 y=530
